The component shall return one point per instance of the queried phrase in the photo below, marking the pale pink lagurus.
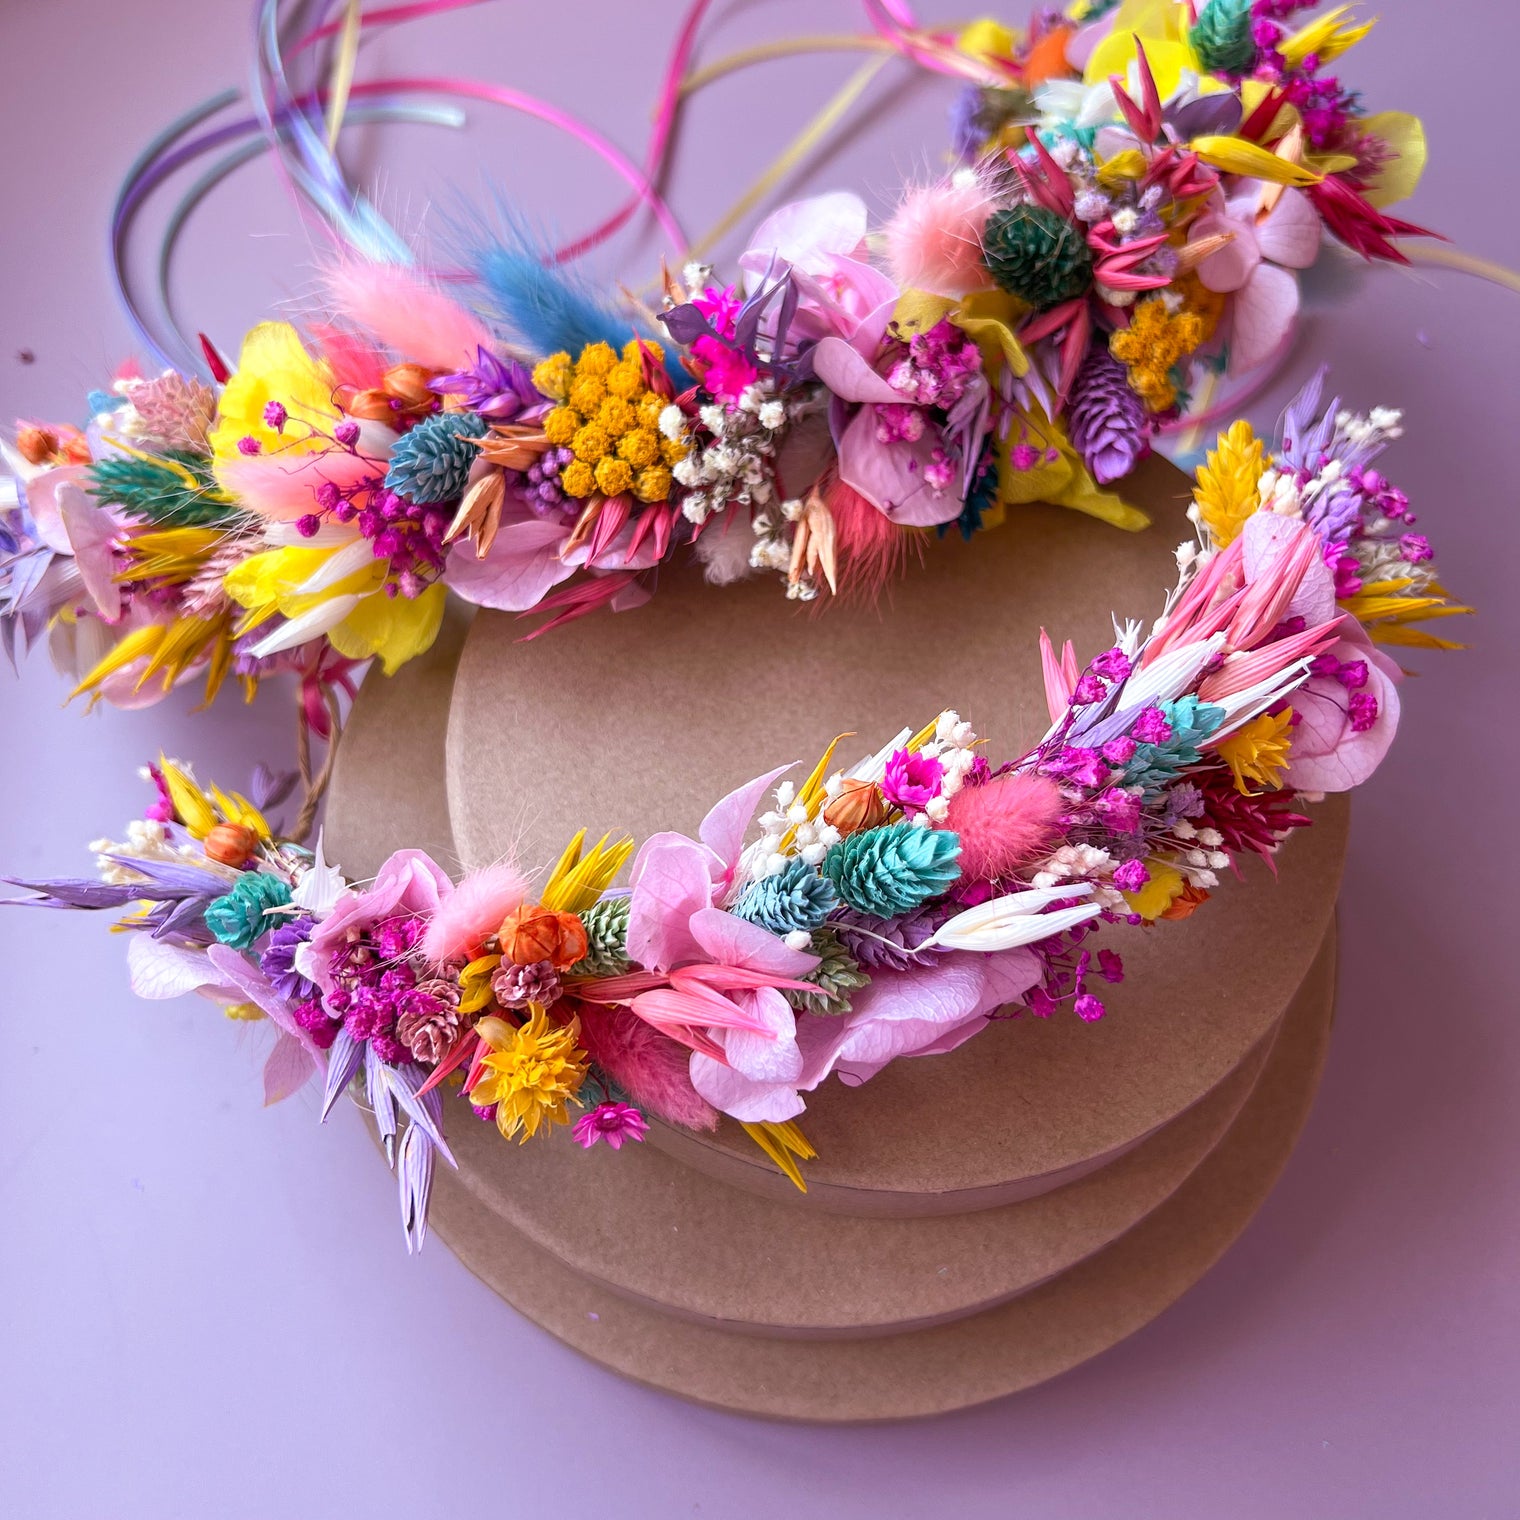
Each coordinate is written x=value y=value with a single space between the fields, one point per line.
x=1255 y=267
x=934 y=240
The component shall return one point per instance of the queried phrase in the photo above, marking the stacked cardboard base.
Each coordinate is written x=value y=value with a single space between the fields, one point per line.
x=975 y=1223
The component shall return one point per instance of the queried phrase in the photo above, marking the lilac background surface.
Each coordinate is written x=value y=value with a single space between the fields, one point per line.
x=205 y=1308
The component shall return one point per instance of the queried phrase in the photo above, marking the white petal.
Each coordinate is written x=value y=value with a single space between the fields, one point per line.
x=309 y=625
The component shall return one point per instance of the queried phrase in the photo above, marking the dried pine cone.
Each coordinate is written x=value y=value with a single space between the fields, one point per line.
x=429 y=1021
x=517 y=986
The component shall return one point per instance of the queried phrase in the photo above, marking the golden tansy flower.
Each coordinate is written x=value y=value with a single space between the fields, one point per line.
x=577 y=478
x=640 y=447
x=1158 y=338
x=1257 y=752
x=553 y=375
x=617 y=416
x=596 y=359
x=531 y=1074
x=561 y=425
x=587 y=394
x=613 y=475
x=1226 y=493
x=590 y=443
x=625 y=379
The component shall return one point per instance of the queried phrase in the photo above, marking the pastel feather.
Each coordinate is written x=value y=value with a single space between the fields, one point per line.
x=473 y=910
x=405 y=312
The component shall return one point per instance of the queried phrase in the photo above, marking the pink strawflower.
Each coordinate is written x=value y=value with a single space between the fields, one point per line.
x=729 y=373
x=912 y=780
x=612 y=1122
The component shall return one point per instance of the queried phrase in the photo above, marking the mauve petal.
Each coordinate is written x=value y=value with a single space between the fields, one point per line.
x=1327 y=756
x=672 y=879
x=891 y=475
x=724 y=827
x=1263 y=312
x=742 y=1098
x=730 y=941
x=797 y=232
x=522 y=567
x=1290 y=233
x=848 y=374
x=1231 y=266
x=771 y=1055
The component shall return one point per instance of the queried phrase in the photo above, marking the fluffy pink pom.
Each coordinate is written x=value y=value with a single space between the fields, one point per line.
x=934 y=242
x=653 y=1069
x=406 y=313
x=474 y=909
x=1003 y=824
x=872 y=549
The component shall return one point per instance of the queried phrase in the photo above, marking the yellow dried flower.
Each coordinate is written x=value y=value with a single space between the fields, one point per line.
x=640 y=447
x=531 y=1074
x=617 y=416
x=596 y=360
x=1257 y=752
x=1155 y=340
x=552 y=375
x=244 y=1012
x=653 y=484
x=590 y=443
x=650 y=407
x=635 y=349
x=577 y=479
x=1226 y=492
x=587 y=392
x=625 y=379
x=674 y=450
x=561 y=425
x=613 y=476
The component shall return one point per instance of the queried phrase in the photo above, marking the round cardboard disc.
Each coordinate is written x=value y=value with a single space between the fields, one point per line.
x=971 y=1360
x=639 y=721
x=652 y=1229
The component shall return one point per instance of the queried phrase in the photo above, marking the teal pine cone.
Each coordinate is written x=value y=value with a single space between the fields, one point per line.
x=432 y=462
x=893 y=869
x=1222 y=37
x=606 y=925
x=1037 y=256
x=796 y=897
x=237 y=919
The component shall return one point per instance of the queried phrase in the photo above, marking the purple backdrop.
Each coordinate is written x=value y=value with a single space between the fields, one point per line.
x=206 y=1309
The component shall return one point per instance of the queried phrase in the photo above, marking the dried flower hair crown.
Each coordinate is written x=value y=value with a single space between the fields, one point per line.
x=1136 y=191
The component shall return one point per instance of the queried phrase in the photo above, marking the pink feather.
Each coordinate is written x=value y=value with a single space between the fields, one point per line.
x=650 y=1067
x=283 y=487
x=1004 y=824
x=474 y=909
x=934 y=240
x=354 y=361
x=406 y=313
x=872 y=549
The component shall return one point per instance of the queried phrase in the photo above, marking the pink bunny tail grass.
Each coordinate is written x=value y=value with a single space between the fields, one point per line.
x=872 y=550
x=934 y=240
x=400 y=308
x=473 y=910
x=1004 y=824
x=650 y=1067
x=283 y=487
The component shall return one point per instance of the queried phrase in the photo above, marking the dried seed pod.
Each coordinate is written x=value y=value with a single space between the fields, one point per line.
x=858 y=806
x=36 y=445
x=230 y=844
x=535 y=933
x=408 y=383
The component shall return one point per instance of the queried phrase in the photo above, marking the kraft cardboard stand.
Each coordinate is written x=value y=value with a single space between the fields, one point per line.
x=994 y=1191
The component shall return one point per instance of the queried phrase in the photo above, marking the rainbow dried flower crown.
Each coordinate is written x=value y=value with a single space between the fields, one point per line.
x=1134 y=193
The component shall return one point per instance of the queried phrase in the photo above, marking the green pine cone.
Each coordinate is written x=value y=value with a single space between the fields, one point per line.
x=238 y=918
x=893 y=869
x=1222 y=37
x=838 y=975
x=606 y=925
x=1037 y=255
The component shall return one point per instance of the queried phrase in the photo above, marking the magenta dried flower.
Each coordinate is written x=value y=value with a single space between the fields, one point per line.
x=912 y=780
x=612 y=1122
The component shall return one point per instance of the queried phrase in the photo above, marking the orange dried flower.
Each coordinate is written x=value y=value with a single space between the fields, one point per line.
x=858 y=806
x=230 y=844
x=535 y=933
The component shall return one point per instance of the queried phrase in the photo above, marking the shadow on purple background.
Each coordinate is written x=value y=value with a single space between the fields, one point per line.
x=206 y=1309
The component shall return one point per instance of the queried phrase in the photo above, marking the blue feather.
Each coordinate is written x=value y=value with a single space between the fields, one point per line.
x=544 y=306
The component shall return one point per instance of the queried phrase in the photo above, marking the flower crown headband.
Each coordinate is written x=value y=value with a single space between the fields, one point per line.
x=1134 y=194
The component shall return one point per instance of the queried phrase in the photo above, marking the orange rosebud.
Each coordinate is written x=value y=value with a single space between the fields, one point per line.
x=858 y=806
x=535 y=933
x=369 y=406
x=36 y=445
x=231 y=844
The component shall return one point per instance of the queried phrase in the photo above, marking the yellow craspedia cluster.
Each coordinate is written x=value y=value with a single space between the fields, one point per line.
x=1158 y=338
x=610 y=420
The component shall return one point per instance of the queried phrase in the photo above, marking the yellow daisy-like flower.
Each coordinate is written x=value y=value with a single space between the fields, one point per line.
x=590 y=443
x=653 y=484
x=625 y=379
x=587 y=393
x=553 y=375
x=1226 y=493
x=1257 y=752
x=613 y=476
x=577 y=479
x=596 y=359
x=561 y=425
x=617 y=416
x=639 y=448
x=531 y=1074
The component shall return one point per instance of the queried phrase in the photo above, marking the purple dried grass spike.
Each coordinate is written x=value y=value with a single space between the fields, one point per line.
x=343 y=1061
x=381 y=1100
x=426 y=1114
x=414 y=1182
x=175 y=880
x=1107 y=421
x=78 y=892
